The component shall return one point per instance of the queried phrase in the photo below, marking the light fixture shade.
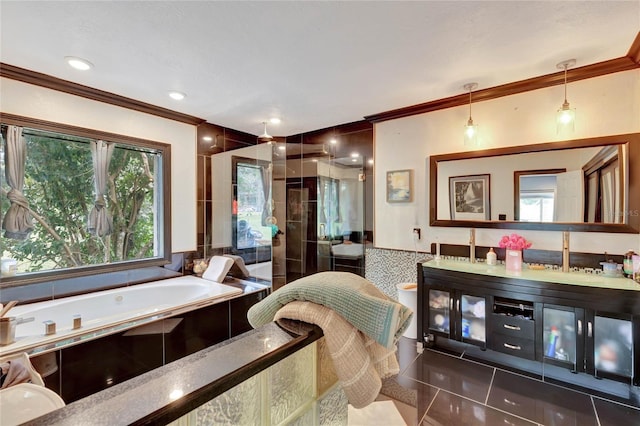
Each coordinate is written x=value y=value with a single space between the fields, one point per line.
x=565 y=119
x=265 y=137
x=470 y=134
x=470 y=130
x=566 y=116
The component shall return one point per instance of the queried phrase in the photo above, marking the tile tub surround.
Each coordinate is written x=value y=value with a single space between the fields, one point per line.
x=201 y=376
x=453 y=390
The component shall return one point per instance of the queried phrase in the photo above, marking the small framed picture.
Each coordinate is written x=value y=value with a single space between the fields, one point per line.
x=400 y=186
x=469 y=197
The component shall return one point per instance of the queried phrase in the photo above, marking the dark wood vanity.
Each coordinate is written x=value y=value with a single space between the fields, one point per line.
x=573 y=328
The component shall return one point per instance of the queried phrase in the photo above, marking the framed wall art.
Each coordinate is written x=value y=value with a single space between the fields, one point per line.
x=469 y=197
x=400 y=186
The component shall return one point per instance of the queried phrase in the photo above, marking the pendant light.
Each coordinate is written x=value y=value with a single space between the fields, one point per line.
x=470 y=130
x=566 y=117
x=265 y=137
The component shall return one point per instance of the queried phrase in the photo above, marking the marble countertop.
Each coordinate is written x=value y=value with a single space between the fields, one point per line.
x=166 y=393
x=552 y=276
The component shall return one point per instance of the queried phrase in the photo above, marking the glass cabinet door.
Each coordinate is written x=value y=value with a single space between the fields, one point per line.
x=559 y=335
x=473 y=310
x=613 y=346
x=439 y=311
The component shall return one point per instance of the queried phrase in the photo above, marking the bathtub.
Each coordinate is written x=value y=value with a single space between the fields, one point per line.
x=262 y=270
x=109 y=311
x=353 y=250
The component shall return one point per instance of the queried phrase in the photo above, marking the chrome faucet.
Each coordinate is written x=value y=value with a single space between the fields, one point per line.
x=472 y=245
x=565 y=251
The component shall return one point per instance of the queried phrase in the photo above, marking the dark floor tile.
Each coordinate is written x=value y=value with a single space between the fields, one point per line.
x=407 y=352
x=455 y=375
x=413 y=394
x=452 y=410
x=612 y=414
x=540 y=402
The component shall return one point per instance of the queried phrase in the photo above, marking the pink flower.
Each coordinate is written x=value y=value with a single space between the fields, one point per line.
x=514 y=242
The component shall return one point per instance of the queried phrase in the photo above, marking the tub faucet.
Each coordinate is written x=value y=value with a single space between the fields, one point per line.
x=472 y=245
x=77 y=321
x=49 y=327
x=565 y=251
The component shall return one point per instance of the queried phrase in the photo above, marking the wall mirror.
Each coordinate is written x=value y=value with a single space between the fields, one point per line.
x=584 y=185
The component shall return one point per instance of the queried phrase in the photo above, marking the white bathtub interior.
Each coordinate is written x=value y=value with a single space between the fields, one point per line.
x=112 y=307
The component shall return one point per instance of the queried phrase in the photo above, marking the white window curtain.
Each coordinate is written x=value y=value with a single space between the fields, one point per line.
x=17 y=222
x=100 y=222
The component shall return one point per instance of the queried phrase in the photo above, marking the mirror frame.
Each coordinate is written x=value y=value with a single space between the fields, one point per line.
x=632 y=142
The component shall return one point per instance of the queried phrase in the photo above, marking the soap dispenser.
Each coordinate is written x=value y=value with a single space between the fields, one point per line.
x=492 y=257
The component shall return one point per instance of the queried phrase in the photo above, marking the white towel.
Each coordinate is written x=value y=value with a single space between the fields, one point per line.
x=359 y=361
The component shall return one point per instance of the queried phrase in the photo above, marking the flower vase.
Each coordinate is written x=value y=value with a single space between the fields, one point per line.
x=513 y=260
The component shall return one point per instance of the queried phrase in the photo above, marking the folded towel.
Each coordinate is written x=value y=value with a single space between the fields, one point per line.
x=360 y=362
x=12 y=373
x=356 y=299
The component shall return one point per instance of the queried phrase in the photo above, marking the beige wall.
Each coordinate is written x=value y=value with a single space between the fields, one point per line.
x=604 y=105
x=46 y=104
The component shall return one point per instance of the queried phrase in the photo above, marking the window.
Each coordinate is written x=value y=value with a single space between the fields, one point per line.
x=76 y=201
x=251 y=203
x=537 y=206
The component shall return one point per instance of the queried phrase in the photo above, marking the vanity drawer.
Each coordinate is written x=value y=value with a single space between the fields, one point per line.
x=523 y=348
x=513 y=326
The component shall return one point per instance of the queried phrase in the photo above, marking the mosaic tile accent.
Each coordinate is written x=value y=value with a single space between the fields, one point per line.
x=386 y=268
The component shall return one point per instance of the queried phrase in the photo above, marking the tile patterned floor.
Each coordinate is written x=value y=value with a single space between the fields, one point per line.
x=435 y=388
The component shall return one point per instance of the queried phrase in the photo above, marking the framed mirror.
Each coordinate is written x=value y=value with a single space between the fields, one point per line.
x=583 y=185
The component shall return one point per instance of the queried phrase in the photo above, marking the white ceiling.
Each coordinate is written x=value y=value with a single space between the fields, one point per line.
x=314 y=64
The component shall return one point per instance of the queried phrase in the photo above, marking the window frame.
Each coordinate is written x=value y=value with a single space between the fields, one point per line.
x=164 y=177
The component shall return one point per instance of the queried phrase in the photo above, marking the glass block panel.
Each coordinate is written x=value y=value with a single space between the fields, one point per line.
x=240 y=405
x=189 y=419
x=333 y=408
x=291 y=383
x=306 y=418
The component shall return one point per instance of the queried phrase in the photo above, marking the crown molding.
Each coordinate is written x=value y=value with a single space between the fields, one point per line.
x=624 y=63
x=54 y=83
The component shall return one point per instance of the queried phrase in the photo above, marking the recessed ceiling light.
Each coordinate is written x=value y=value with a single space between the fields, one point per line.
x=333 y=141
x=275 y=120
x=282 y=148
x=207 y=138
x=78 y=63
x=355 y=155
x=178 y=96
